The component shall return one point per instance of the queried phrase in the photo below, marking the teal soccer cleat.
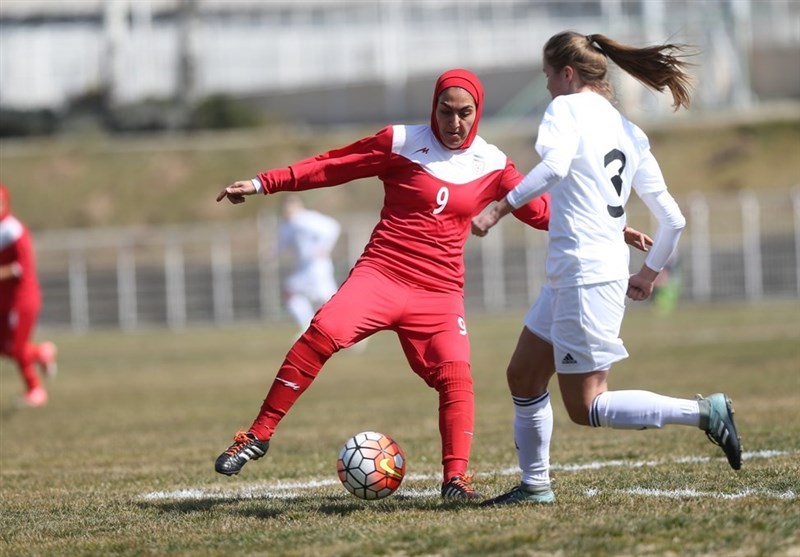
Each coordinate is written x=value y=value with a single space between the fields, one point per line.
x=716 y=419
x=523 y=494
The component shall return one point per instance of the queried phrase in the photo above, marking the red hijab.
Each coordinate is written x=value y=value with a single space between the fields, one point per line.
x=468 y=81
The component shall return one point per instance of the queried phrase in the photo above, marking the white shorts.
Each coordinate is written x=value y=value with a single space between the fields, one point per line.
x=582 y=323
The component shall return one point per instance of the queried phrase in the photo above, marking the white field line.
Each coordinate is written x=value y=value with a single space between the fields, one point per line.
x=693 y=493
x=292 y=489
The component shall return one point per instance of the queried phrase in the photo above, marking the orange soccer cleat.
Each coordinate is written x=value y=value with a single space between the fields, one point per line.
x=460 y=487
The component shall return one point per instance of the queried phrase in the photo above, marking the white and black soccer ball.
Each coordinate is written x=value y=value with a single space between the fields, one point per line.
x=371 y=465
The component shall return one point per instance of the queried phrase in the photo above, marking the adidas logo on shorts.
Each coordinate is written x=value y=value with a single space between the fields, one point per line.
x=568 y=359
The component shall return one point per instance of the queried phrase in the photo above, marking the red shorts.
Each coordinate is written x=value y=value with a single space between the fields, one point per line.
x=430 y=325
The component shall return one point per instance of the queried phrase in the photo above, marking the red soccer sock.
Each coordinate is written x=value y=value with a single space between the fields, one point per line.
x=302 y=364
x=26 y=361
x=456 y=417
x=30 y=376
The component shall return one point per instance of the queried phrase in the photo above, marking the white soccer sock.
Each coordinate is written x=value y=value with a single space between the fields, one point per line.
x=533 y=428
x=641 y=410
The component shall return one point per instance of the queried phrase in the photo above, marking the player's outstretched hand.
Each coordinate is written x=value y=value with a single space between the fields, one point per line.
x=237 y=191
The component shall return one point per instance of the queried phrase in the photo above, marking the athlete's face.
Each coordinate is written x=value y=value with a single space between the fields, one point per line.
x=455 y=115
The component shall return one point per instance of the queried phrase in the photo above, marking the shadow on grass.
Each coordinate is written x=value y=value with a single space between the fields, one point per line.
x=268 y=507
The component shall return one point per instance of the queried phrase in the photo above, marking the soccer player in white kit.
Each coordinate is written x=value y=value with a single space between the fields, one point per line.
x=591 y=158
x=310 y=237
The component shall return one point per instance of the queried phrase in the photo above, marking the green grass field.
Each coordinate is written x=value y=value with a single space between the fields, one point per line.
x=121 y=460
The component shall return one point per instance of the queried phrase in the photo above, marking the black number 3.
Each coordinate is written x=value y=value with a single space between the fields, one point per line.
x=616 y=211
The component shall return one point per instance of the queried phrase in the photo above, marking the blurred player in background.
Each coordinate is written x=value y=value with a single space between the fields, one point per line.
x=591 y=157
x=410 y=277
x=20 y=302
x=668 y=285
x=309 y=236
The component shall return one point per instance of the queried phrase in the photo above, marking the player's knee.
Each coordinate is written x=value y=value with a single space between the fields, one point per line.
x=526 y=380
x=452 y=376
x=517 y=376
x=315 y=340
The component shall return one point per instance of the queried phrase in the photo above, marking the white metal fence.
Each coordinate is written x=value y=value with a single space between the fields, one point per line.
x=740 y=246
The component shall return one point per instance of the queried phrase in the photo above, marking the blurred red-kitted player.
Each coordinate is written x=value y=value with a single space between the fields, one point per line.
x=20 y=302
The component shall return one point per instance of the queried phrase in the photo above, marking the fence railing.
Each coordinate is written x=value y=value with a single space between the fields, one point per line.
x=741 y=246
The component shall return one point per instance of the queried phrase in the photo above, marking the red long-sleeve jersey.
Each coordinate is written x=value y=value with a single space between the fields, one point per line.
x=431 y=195
x=16 y=246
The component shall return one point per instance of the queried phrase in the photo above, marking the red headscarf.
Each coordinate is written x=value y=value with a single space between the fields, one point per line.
x=468 y=81
x=5 y=207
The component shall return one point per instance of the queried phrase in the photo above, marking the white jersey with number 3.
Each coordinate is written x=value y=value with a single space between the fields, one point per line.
x=602 y=155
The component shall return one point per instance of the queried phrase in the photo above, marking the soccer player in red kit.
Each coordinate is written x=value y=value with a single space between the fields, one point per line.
x=20 y=302
x=410 y=277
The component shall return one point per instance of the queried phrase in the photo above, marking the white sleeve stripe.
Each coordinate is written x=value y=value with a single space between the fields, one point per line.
x=398 y=138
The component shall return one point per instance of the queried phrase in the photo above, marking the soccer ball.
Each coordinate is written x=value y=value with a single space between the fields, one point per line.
x=371 y=465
